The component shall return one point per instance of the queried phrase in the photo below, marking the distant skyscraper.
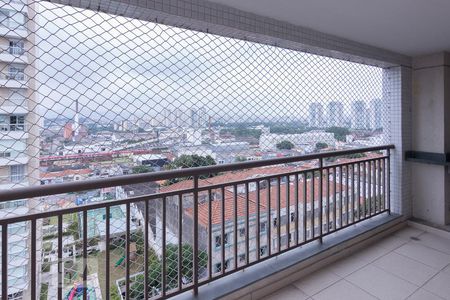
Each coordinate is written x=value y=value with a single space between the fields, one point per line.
x=359 y=115
x=376 y=113
x=199 y=118
x=315 y=115
x=335 y=114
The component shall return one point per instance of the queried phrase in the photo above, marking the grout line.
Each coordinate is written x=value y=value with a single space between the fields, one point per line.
x=360 y=288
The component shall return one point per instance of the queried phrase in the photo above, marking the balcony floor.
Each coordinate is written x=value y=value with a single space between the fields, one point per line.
x=411 y=264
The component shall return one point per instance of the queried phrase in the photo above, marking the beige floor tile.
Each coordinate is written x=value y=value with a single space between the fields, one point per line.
x=371 y=253
x=428 y=256
x=434 y=241
x=317 y=281
x=347 y=266
x=406 y=268
x=422 y=294
x=439 y=285
x=343 y=290
x=392 y=242
x=381 y=284
x=408 y=232
x=288 y=292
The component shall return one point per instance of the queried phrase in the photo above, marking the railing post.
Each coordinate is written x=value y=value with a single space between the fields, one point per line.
x=320 y=199
x=388 y=174
x=195 y=264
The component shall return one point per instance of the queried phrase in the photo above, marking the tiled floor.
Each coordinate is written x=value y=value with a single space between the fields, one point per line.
x=410 y=264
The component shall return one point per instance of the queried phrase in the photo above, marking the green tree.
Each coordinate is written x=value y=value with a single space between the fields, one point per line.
x=142 y=169
x=320 y=146
x=191 y=161
x=285 y=145
x=339 y=132
x=240 y=158
x=155 y=269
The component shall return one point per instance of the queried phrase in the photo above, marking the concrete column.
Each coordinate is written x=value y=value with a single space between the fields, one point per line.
x=431 y=133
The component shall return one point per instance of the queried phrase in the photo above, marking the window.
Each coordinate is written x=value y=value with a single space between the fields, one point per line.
x=292 y=216
x=242 y=257
x=241 y=232
x=17 y=123
x=17 y=173
x=16 y=47
x=17 y=73
x=219 y=240
x=263 y=251
x=5 y=154
x=262 y=227
x=291 y=236
x=218 y=266
x=275 y=222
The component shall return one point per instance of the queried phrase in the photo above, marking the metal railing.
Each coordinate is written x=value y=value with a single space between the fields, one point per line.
x=228 y=224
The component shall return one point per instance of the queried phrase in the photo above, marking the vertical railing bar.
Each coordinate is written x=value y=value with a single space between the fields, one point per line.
x=340 y=196
x=33 y=258
x=320 y=199
x=358 y=204
x=222 y=219
x=364 y=209
x=269 y=219
x=210 y=251
x=297 y=214
x=388 y=174
x=347 y=212
x=195 y=254
x=305 y=204
x=180 y=242
x=379 y=185
x=164 y=254
x=313 y=206
x=60 y=260
x=258 y=222
x=247 y=224
x=127 y=252
x=369 y=189
x=107 y=252
x=85 y=224
x=334 y=197
x=327 y=210
x=279 y=213
x=146 y=258
x=384 y=183
x=288 y=212
x=236 y=230
x=375 y=185
x=5 y=262
x=353 y=193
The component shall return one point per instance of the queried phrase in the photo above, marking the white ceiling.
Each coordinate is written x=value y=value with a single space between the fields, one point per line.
x=410 y=27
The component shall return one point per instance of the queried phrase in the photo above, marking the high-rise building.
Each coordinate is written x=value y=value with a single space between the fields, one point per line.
x=376 y=114
x=19 y=134
x=359 y=115
x=199 y=117
x=335 y=114
x=316 y=115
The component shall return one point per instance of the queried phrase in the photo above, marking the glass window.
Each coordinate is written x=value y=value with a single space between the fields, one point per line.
x=17 y=173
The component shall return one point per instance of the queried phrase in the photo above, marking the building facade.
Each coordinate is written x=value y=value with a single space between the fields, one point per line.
x=19 y=133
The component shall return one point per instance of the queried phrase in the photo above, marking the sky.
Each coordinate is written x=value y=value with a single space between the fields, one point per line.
x=120 y=68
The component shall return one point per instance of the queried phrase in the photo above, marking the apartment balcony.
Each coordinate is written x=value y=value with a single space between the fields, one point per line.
x=11 y=106
x=243 y=234
x=13 y=81
x=13 y=131
x=13 y=55
x=14 y=158
x=11 y=29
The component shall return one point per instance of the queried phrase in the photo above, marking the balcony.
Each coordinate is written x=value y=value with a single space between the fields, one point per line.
x=14 y=81
x=13 y=158
x=13 y=55
x=14 y=131
x=219 y=225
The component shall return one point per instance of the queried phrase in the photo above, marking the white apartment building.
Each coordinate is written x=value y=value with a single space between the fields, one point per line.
x=19 y=142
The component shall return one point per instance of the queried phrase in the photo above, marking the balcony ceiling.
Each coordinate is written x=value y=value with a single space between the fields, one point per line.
x=410 y=27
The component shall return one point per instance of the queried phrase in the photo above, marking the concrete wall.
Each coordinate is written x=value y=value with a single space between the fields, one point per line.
x=431 y=133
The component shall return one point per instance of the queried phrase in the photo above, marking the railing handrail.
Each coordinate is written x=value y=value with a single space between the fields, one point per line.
x=68 y=187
